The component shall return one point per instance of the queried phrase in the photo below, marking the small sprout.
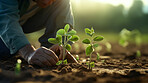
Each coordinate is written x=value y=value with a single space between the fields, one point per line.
x=66 y=36
x=98 y=56
x=136 y=36
x=138 y=53
x=126 y=36
x=77 y=57
x=59 y=62
x=108 y=46
x=92 y=45
x=65 y=61
x=18 y=67
x=102 y=61
x=92 y=64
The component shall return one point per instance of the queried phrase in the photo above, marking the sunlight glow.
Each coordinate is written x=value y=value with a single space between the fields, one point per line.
x=126 y=3
x=77 y=1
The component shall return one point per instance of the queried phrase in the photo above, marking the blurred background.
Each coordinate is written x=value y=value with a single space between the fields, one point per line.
x=109 y=17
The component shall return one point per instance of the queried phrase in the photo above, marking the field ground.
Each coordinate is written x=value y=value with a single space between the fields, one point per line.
x=118 y=65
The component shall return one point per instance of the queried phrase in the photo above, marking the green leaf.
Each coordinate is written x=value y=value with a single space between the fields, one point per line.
x=74 y=38
x=72 y=32
x=95 y=45
x=59 y=38
x=53 y=41
x=68 y=47
x=87 y=63
x=92 y=64
x=89 y=50
x=92 y=31
x=98 y=38
x=88 y=31
x=98 y=56
x=66 y=28
x=125 y=34
x=123 y=42
x=65 y=61
x=59 y=62
x=86 y=41
x=69 y=37
x=61 y=32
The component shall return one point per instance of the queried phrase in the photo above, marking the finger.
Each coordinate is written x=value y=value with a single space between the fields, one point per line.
x=71 y=58
x=41 y=61
x=38 y=63
x=44 y=61
x=50 y=59
x=52 y=54
x=55 y=49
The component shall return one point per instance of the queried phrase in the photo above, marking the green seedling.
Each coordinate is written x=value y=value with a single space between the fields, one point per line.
x=77 y=57
x=127 y=36
x=102 y=61
x=136 y=36
x=138 y=53
x=91 y=45
x=63 y=36
x=124 y=37
x=18 y=67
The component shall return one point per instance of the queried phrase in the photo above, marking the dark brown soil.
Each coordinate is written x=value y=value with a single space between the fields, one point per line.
x=120 y=65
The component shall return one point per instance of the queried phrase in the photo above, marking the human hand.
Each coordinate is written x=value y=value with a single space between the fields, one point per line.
x=42 y=57
x=59 y=52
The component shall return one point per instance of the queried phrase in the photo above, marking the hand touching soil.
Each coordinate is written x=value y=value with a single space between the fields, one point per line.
x=45 y=57
x=42 y=57
x=59 y=52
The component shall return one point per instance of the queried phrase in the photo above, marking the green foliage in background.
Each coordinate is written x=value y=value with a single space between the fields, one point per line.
x=109 y=18
x=127 y=36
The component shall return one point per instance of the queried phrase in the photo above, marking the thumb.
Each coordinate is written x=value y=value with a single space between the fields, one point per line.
x=70 y=58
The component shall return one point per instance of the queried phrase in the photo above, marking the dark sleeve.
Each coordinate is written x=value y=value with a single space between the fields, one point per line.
x=10 y=30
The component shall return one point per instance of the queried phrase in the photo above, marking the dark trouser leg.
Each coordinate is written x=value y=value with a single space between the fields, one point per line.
x=4 y=51
x=52 y=18
x=60 y=14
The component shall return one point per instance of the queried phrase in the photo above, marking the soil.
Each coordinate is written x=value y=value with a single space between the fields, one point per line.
x=118 y=65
